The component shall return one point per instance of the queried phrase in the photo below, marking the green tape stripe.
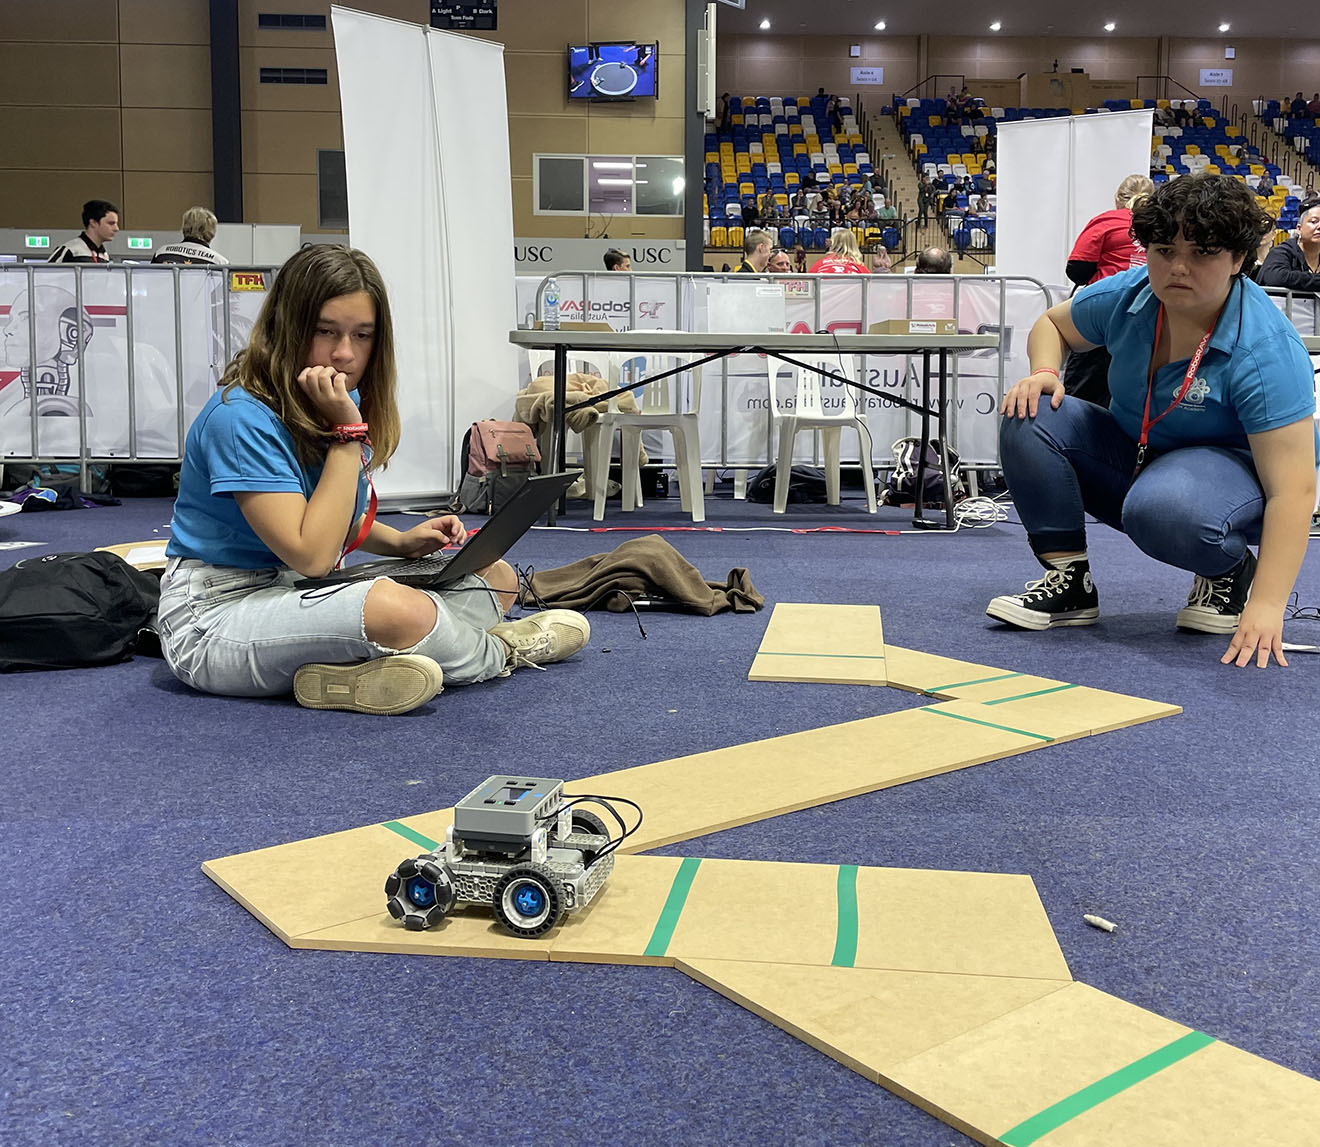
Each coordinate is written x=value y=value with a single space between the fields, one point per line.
x=412 y=834
x=845 y=940
x=1057 y=1114
x=987 y=724
x=1024 y=696
x=854 y=656
x=673 y=909
x=964 y=684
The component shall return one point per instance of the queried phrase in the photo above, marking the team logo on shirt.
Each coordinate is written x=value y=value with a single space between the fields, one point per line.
x=1196 y=394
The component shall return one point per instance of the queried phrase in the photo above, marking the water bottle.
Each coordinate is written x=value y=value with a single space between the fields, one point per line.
x=550 y=305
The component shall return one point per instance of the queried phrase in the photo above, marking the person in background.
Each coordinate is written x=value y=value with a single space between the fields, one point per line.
x=1313 y=106
x=757 y=246
x=881 y=264
x=1207 y=447
x=1295 y=263
x=198 y=226
x=276 y=484
x=616 y=260
x=780 y=262
x=1104 y=248
x=934 y=261
x=843 y=258
x=1265 y=186
x=1297 y=109
x=100 y=219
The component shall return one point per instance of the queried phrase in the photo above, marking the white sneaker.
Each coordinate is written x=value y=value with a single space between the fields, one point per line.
x=544 y=637
x=385 y=686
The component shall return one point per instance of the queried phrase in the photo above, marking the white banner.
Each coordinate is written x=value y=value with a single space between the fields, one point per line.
x=409 y=161
x=542 y=256
x=1055 y=175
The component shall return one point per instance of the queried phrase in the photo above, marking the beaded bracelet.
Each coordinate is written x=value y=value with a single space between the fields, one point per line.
x=350 y=432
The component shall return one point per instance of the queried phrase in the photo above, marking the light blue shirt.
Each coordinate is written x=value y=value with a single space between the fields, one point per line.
x=237 y=443
x=1255 y=374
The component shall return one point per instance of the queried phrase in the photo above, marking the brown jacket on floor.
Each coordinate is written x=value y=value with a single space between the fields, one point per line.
x=641 y=567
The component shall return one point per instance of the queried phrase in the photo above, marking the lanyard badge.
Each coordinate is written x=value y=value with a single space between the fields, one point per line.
x=1147 y=423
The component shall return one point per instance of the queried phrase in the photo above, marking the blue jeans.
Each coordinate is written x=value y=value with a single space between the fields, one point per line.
x=1196 y=507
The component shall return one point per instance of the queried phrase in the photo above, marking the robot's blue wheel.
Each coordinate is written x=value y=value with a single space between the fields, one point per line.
x=420 y=893
x=529 y=900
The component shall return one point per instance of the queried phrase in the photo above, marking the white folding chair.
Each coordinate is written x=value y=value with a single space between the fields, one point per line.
x=599 y=363
x=660 y=407
x=809 y=413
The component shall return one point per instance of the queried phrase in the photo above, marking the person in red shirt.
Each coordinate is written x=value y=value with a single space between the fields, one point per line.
x=843 y=258
x=1104 y=248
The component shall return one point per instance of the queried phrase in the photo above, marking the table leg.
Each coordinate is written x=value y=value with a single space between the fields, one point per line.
x=919 y=489
x=558 y=453
x=942 y=421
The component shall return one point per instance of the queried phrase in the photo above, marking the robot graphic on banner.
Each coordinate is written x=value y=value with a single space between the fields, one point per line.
x=61 y=334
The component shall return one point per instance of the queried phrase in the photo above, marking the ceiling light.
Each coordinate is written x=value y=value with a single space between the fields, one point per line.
x=765 y=25
x=605 y=181
x=880 y=26
x=1223 y=27
x=612 y=164
x=995 y=26
x=1110 y=26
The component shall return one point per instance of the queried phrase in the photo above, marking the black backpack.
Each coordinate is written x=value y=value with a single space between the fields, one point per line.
x=805 y=484
x=900 y=489
x=62 y=611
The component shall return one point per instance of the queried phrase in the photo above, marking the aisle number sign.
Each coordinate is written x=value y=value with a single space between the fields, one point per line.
x=867 y=75
x=1216 y=77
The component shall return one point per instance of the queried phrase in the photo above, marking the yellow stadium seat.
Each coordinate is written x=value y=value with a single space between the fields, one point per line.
x=1232 y=131
x=834 y=168
x=804 y=101
x=791 y=179
x=904 y=110
x=780 y=199
x=794 y=129
x=1161 y=103
x=934 y=120
x=735 y=236
x=1213 y=169
x=799 y=149
x=1136 y=103
x=850 y=169
x=1209 y=121
x=1076 y=111
x=719 y=236
x=920 y=149
x=969 y=158
x=855 y=139
x=1168 y=169
x=712 y=157
x=1192 y=149
x=737 y=120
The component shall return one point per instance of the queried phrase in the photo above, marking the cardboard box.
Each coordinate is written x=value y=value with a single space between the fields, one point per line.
x=915 y=327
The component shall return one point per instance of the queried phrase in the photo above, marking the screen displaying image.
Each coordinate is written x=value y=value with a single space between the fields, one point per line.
x=620 y=70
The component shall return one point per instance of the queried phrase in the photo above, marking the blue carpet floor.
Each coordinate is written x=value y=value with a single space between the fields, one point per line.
x=139 y=1004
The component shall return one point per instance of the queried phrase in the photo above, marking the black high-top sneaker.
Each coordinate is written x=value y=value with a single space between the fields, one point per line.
x=1215 y=603
x=1061 y=597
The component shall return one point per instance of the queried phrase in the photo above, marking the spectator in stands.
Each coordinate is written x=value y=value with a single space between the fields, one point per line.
x=198 y=227
x=934 y=261
x=100 y=219
x=1295 y=263
x=756 y=252
x=799 y=204
x=781 y=263
x=1297 y=109
x=843 y=258
x=925 y=193
x=276 y=484
x=1181 y=116
x=724 y=111
x=949 y=204
x=886 y=211
x=1262 y=253
x=750 y=215
x=1209 y=375
x=1310 y=189
x=881 y=264
x=1265 y=188
x=837 y=210
x=616 y=260
x=979 y=206
x=800 y=259
x=1104 y=248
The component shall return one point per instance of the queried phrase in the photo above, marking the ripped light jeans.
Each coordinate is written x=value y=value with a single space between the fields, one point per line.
x=245 y=633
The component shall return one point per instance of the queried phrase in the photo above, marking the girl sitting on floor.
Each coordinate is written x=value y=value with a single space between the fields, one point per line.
x=275 y=484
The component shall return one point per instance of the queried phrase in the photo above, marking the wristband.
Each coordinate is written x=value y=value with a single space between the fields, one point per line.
x=350 y=432
x=1046 y=370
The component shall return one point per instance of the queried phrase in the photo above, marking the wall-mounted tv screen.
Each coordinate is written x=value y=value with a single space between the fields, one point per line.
x=617 y=70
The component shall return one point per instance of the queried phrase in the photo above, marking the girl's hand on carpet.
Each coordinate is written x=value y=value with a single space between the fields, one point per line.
x=1259 y=633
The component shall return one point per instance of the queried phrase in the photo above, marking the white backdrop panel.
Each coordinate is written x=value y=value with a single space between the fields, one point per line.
x=1054 y=176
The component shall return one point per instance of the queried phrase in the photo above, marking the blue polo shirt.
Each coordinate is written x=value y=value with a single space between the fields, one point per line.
x=1255 y=374
x=236 y=443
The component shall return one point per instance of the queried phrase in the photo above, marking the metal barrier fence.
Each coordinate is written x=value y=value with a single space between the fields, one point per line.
x=110 y=363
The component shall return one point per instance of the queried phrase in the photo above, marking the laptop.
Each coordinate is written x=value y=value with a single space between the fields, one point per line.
x=492 y=542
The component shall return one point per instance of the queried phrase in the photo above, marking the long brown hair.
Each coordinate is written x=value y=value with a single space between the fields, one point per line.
x=269 y=366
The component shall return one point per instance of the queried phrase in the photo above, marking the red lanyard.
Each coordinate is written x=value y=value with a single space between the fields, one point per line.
x=367 y=519
x=1146 y=421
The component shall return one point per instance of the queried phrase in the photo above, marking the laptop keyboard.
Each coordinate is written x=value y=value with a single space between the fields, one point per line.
x=426 y=566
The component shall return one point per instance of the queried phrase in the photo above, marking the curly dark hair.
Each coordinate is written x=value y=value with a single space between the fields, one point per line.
x=1217 y=212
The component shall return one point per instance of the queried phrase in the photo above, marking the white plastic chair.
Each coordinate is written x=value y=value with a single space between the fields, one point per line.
x=660 y=407
x=809 y=413
x=579 y=362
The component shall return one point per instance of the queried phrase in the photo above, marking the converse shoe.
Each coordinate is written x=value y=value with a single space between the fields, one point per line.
x=1061 y=597
x=1215 y=603
x=544 y=637
x=385 y=685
